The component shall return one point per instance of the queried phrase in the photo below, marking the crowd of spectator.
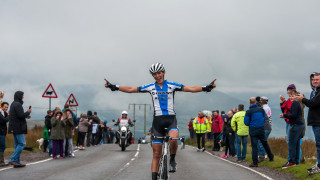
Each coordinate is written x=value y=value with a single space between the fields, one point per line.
x=231 y=130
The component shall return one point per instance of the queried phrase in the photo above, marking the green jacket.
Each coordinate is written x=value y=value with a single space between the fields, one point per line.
x=68 y=128
x=45 y=133
x=237 y=124
x=57 y=129
x=201 y=125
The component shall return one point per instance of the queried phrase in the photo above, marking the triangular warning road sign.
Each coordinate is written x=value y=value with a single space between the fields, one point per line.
x=50 y=92
x=72 y=100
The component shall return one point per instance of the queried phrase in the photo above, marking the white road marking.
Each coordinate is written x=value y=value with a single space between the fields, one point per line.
x=128 y=164
x=261 y=174
x=37 y=162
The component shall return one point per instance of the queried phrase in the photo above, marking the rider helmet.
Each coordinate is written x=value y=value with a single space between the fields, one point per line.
x=157 y=67
x=264 y=99
x=124 y=112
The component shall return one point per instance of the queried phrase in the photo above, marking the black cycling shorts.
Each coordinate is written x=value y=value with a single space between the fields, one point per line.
x=161 y=122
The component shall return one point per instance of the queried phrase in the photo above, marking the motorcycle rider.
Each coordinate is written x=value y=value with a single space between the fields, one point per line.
x=162 y=93
x=124 y=120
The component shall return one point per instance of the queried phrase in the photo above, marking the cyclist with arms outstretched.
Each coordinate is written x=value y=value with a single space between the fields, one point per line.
x=162 y=92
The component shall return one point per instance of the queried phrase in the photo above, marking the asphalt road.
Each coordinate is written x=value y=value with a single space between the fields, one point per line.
x=108 y=162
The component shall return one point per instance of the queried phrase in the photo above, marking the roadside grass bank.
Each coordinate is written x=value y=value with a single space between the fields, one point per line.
x=280 y=150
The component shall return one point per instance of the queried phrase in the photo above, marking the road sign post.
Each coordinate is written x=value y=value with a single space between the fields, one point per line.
x=50 y=93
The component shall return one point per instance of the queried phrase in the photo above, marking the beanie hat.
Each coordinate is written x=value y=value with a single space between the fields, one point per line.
x=291 y=86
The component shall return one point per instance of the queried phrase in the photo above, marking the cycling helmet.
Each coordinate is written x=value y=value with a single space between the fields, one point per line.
x=124 y=112
x=157 y=67
x=264 y=99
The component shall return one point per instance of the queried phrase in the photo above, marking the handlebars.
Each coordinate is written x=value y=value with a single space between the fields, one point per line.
x=167 y=138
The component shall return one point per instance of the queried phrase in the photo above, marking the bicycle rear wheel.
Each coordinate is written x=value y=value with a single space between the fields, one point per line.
x=164 y=170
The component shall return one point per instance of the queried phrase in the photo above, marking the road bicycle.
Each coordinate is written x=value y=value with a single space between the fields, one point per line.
x=163 y=162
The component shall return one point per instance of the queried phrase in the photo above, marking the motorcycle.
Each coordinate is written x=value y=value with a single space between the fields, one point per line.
x=123 y=134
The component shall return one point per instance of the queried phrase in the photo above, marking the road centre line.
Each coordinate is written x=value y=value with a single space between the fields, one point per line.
x=259 y=173
x=128 y=164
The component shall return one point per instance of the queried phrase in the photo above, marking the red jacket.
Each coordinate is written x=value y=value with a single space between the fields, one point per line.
x=285 y=107
x=217 y=124
x=190 y=125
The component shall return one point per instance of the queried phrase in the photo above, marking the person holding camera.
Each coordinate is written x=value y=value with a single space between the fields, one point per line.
x=57 y=133
x=68 y=130
x=18 y=127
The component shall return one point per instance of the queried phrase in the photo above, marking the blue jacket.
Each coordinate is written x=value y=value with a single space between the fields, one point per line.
x=255 y=116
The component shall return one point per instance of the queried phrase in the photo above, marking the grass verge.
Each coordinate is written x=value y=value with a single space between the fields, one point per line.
x=299 y=172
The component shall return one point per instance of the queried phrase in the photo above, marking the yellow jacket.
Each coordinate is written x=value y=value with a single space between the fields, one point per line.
x=237 y=124
x=201 y=125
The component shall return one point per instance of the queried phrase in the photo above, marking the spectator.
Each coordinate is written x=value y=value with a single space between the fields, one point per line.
x=18 y=127
x=267 y=126
x=47 y=123
x=104 y=133
x=190 y=127
x=242 y=131
x=83 y=129
x=225 y=119
x=4 y=118
x=57 y=133
x=76 y=130
x=89 y=134
x=296 y=127
x=112 y=136
x=304 y=129
x=68 y=130
x=314 y=116
x=210 y=134
x=46 y=137
x=255 y=118
x=1 y=97
x=201 y=127
x=217 y=124
x=235 y=110
x=285 y=108
x=101 y=130
x=108 y=134
x=94 y=132
x=229 y=135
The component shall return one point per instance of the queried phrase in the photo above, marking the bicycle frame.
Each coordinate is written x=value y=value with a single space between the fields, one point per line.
x=163 y=164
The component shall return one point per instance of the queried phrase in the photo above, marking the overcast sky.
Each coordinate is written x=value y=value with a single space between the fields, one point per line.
x=249 y=46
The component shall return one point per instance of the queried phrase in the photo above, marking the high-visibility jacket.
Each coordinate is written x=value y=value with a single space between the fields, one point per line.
x=201 y=125
x=237 y=124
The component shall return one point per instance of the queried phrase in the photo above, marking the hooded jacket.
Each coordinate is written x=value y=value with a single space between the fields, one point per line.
x=314 y=108
x=57 y=127
x=17 y=118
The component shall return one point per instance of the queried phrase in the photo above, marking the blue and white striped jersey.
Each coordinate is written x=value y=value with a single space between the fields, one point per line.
x=162 y=98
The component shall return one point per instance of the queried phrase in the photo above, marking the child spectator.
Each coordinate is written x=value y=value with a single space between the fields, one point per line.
x=46 y=138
